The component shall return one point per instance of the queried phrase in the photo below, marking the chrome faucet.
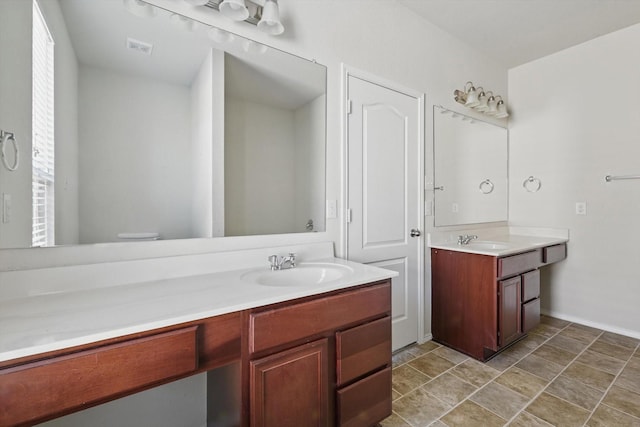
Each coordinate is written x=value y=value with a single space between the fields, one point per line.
x=465 y=239
x=282 y=263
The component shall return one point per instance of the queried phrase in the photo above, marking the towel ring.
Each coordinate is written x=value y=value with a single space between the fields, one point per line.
x=4 y=138
x=486 y=186
x=532 y=184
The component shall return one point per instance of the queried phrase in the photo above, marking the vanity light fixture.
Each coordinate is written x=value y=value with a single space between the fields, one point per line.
x=265 y=14
x=479 y=100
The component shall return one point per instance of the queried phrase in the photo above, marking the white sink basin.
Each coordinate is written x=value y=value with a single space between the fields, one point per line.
x=304 y=274
x=487 y=245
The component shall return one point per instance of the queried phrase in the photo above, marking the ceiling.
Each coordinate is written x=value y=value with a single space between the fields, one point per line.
x=514 y=32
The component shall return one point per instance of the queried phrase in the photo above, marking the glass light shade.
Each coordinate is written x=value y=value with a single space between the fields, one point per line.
x=183 y=22
x=270 y=21
x=493 y=107
x=234 y=9
x=483 y=100
x=501 y=110
x=472 y=98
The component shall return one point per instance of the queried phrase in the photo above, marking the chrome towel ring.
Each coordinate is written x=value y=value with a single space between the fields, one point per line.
x=532 y=184
x=5 y=137
x=486 y=186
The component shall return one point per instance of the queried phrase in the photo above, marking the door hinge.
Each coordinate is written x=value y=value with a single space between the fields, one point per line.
x=349 y=106
x=349 y=214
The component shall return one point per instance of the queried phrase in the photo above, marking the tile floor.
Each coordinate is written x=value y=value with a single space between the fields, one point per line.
x=561 y=374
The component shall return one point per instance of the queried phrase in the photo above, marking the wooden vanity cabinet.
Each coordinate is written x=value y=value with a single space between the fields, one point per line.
x=481 y=303
x=321 y=361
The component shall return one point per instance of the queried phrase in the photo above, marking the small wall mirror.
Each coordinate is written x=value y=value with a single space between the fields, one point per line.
x=470 y=182
x=161 y=125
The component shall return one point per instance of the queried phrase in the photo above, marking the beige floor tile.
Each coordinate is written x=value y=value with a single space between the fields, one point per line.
x=612 y=350
x=431 y=364
x=450 y=354
x=589 y=375
x=475 y=372
x=449 y=388
x=539 y=367
x=522 y=382
x=581 y=333
x=405 y=379
x=552 y=321
x=424 y=348
x=629 y=379
x=395 y=395
x=419 y=408
x=438 y=423
x=519 y=350
x=557 y=411
x=554 y=354
x=401 y=358
x=469 y=414
x=623 y=400
x=575 y=392
x=502 y=362
x=525 y=419
x=605 y=416
x=394 y=421
x=532 y=341
x=600 y=361
x=566 y=343
x=621 y=340
x=500 y=400
x=545 y=330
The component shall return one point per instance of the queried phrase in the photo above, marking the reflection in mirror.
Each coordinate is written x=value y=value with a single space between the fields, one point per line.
x=162 y=126
x=470 y=169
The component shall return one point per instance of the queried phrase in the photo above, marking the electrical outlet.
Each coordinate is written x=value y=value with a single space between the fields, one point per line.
x=454 y=207
x=581 y=208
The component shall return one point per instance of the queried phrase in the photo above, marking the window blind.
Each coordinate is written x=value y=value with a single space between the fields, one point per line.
x=43 y=171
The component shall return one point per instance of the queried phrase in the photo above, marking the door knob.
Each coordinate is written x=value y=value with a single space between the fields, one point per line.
x=415 y=232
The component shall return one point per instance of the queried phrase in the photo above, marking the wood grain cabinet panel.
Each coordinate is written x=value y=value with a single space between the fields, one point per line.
x=365 y=402
x=509 y=310
x=39 y=390
x=278 y=326
x=554 y=253
x=363 y=349
x=530 y=285
x=516 y=264
x=530 y=315
x=290 y=388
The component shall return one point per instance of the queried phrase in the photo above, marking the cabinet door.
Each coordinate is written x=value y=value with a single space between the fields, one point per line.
x=291 y=388
x=509 y=308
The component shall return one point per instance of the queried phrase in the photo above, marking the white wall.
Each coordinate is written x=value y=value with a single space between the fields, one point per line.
x=309 y=164
x=259 y=168
x=15 y=116
x=140 y=146
x=576 y=119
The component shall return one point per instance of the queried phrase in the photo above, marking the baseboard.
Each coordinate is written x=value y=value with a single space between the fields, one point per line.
x=425 y=338
x=604 y=327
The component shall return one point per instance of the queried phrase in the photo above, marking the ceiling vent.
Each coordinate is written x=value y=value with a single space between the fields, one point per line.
x=139 y=46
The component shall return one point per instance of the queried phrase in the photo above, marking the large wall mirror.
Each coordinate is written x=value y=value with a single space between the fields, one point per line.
x=162 y=126
x=470 y=183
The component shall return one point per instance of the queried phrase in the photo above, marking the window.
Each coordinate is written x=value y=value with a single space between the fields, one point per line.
x=43 y=229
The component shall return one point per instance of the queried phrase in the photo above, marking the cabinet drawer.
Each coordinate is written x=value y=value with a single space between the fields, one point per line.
x=365 y=402
x=55 y=386
x=286 y=324
x=516 y=264
x=554 y=253
x=363 y=349
x=530 y=315
x=530 y=285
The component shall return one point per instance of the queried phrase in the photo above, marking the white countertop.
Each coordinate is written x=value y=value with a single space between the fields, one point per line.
x=500 y=241
x=50 y=321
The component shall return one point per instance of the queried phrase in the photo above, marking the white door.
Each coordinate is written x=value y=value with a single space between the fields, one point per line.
x=385 y=188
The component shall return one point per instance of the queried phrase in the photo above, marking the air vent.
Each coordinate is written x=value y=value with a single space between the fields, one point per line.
x=139 y=46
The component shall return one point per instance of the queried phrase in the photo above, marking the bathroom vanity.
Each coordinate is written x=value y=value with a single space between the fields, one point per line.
x=308 y=353
x=486 y=295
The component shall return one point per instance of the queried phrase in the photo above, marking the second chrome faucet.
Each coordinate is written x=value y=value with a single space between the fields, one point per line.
x=282 y=262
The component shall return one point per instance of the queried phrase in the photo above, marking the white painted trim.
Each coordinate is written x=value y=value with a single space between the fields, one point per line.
x=425 y=338
x=346 y=72
x=597 y=325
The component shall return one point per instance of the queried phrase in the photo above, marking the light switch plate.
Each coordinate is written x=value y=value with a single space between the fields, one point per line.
x=332 y=209
x=581 y=208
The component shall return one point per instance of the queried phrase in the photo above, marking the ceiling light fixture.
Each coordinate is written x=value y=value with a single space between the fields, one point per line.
x=265 y=14
x=479 y=100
